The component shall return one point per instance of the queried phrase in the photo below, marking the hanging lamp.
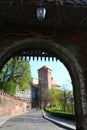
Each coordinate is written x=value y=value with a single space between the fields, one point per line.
x=41 y=11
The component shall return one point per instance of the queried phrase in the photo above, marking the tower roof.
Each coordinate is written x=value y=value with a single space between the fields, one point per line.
x=44 y=68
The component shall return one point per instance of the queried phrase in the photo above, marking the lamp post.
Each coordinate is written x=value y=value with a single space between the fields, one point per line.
x=41 y=12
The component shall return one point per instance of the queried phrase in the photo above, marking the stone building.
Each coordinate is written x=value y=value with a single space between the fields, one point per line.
x=30 y=95
x=44 y=81
x=45 y=78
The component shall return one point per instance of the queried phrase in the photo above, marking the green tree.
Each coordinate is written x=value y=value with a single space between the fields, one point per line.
x=56 y=95
x=46 y=97
x=64 y=98
x=49 y=97
x=15 y=73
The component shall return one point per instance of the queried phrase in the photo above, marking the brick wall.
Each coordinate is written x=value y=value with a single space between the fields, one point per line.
x=10 y=105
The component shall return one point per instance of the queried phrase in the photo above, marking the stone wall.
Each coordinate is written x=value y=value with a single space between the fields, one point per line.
x=10 y=105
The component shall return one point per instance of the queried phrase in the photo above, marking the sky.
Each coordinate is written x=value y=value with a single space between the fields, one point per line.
x=59 y=71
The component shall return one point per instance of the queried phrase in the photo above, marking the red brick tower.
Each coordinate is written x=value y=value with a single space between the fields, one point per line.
x=44 y=77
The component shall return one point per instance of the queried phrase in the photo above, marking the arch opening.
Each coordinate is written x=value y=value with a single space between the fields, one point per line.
x=65 y=56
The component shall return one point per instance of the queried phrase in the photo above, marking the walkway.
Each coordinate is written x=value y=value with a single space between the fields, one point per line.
x=32 y=120
x=58 y=121
x=62 y=122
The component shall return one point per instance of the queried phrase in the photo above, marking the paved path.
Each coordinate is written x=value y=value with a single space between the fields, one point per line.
x=31 y=120
x=63 y=122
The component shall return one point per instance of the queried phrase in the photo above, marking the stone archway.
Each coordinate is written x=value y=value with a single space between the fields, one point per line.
x=69 y=61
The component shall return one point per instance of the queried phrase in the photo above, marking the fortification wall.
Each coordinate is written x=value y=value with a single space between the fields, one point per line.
x=10 y=105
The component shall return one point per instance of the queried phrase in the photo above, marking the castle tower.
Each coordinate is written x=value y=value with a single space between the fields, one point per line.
x=44 y=77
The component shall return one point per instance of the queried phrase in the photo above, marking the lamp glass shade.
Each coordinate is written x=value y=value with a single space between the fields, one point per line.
x=41 y=12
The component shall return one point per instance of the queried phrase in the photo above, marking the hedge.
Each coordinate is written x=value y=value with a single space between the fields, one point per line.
x=63 y=115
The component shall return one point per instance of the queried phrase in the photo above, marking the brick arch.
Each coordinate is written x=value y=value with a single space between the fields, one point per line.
x=69 y=61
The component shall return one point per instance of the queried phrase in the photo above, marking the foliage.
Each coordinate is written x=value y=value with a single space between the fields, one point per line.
x=65 y=99
x=59 y=114
x=46 y=97
x=50 y=97
x=15 y=73
x=58 y=99
x=56 y=95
